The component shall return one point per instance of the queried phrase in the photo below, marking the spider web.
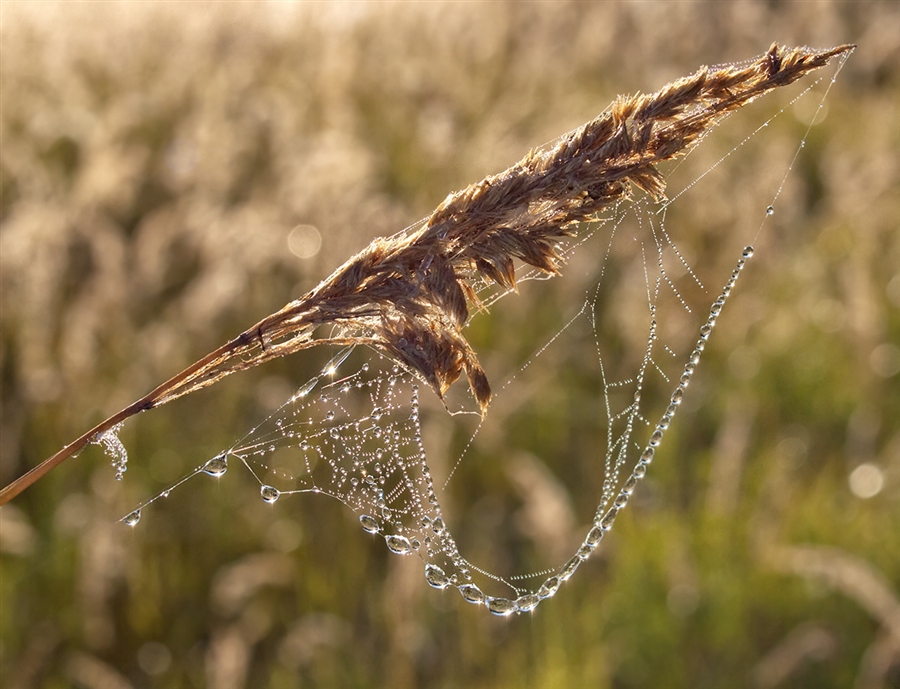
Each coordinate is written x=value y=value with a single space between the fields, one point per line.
x=643 y=309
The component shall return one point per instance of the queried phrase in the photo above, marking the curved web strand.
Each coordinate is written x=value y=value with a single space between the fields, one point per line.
x=354 y=431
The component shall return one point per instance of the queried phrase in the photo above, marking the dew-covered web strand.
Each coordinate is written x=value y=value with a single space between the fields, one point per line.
x=364 y=439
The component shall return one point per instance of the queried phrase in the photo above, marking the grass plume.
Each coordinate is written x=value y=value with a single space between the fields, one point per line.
x=409 y=294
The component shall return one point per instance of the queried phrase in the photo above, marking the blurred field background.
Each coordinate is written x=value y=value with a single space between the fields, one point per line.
x=162 y=166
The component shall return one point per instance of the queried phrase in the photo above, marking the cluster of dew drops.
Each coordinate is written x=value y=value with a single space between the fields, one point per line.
x=604 y=518
x=435 y=576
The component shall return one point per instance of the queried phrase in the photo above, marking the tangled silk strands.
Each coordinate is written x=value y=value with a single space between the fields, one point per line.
x=409 y=295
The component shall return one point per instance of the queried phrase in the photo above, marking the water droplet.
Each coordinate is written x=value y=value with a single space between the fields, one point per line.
x=639 y=471
x=748 y=250
x=621 y=500
x=770 y=210
x=527 y=602
x=398 y=544
x=584 y=552
x=677 y=396
x=306 y=388
x=501 y=606
x=549 y=588
x=345 y=387
x=656 y=438
x=133 y=518
x=608 y=518
x=329 y=416
x=377 y=413
x=304 y=444
x=594 y=536
x=435 y=577
x=269 y=493
x=332 y=366
x=472 y=593
x=438 y=525
x=630 y=484
x=217 y=466
x=335 y=433
x=369 y=524
x=647 y=455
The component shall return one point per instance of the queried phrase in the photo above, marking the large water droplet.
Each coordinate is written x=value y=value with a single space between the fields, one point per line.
x=438 y=525
x=594 y=536
x=472 y=593
x=332 y=366
x=269 y=493
x=569 y=568
x=608 y=518
x=656 y=438
x=217 y=466
x=369 y=524
x=647 y=455
x=501 y=606
x=398 y=544
x=306 y=388
x=436 y=577
x=548 y=588
x=133 y=518
x=527 y=602
x=770 y=210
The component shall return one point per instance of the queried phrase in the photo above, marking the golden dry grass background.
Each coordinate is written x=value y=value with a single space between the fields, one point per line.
x=156 y=164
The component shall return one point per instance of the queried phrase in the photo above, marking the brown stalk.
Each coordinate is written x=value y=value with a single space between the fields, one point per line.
x=408 y=295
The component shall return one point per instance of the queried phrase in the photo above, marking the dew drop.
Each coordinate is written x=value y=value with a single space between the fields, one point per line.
x=269 y=493
x=369 y=524
x=332 y=366
x=549 y=588
x=438 y=525
x=608 y=518
x=398 y=544
x=528 y=602
x=594 y=536
x=630 y=484
x=133 y=518
x=501 y=606
x=306 y=388
x=656 y=438
x=217 y=466
x=639 y=471
x=329 y=416
x=770 y=210
x=472 y=594
x=647 y=455
x=748 y=250
x=436 y=577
